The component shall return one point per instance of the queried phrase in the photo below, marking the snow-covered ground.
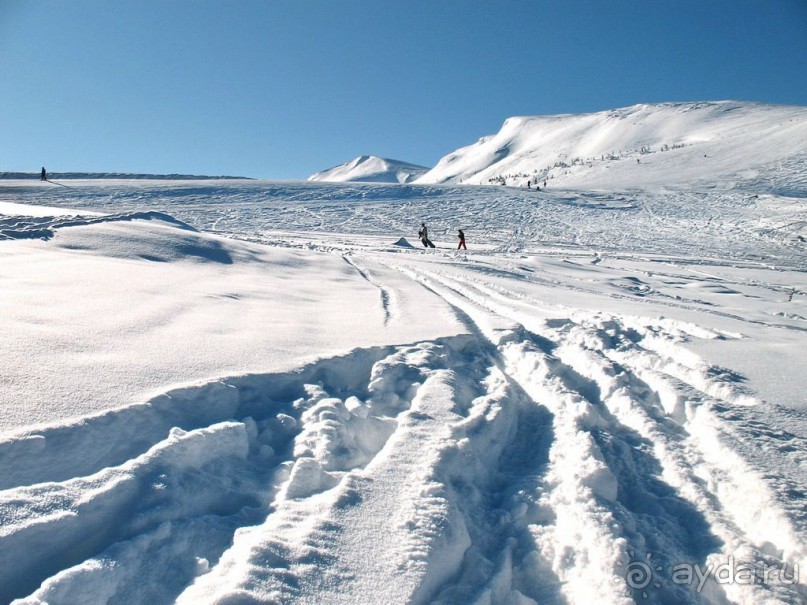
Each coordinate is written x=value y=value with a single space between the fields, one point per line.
x=262 y=392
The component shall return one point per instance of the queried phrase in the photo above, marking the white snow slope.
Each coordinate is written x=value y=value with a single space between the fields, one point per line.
x=371 y=169
x=251 y=392
x=669 y=145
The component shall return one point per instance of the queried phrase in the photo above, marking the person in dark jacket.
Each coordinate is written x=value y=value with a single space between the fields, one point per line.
x=424 y=236
x=461 y=235
x=44 y=175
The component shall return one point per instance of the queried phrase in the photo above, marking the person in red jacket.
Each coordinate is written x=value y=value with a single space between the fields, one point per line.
x=461 y=235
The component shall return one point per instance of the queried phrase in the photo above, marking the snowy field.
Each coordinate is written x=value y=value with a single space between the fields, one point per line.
x=236 y=392
x=260 y=392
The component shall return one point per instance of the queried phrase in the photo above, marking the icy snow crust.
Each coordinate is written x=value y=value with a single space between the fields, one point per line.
x=252 y=392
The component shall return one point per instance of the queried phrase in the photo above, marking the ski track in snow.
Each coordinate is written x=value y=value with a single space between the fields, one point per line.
x=383 y=291
x=517 y=464
x=659 y=429
x=544 y=457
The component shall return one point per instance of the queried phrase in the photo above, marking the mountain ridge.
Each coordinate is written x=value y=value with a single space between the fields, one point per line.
x=647 y=144
x=689 y=139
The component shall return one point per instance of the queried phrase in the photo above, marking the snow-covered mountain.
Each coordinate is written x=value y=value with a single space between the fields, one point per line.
x=662 y=144
x=371 y=169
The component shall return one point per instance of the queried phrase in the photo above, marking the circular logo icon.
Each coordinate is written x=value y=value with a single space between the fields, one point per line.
x=638 y=575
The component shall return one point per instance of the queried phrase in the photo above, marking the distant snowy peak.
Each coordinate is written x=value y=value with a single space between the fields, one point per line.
x=642 y=144
x=371 y=169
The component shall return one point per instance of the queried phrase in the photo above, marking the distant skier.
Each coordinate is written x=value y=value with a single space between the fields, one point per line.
x=461 y=235
x=423 y=234
x=44 y=175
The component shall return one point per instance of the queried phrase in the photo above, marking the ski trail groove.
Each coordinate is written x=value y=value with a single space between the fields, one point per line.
x=658 y=420
x=237 y=461
x=383 y=291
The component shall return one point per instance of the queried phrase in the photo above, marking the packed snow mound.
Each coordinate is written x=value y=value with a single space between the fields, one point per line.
x=668 y=143
x=371 y=169
x=403 y=243
x=162 y=239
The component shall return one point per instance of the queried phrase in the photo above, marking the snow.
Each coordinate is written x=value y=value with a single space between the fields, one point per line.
x=115 y=310
x=235 y=391
x=371 y=169
x=663 y=145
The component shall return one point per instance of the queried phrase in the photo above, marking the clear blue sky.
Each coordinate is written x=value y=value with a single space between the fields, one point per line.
x=283 y=88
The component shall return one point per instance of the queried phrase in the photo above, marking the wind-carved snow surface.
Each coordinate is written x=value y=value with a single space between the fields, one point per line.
x=44 y=226
x=602 y=400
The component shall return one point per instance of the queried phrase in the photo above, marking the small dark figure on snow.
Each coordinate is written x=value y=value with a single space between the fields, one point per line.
x=461 y=235
x=44 y=175
x=423 y=234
